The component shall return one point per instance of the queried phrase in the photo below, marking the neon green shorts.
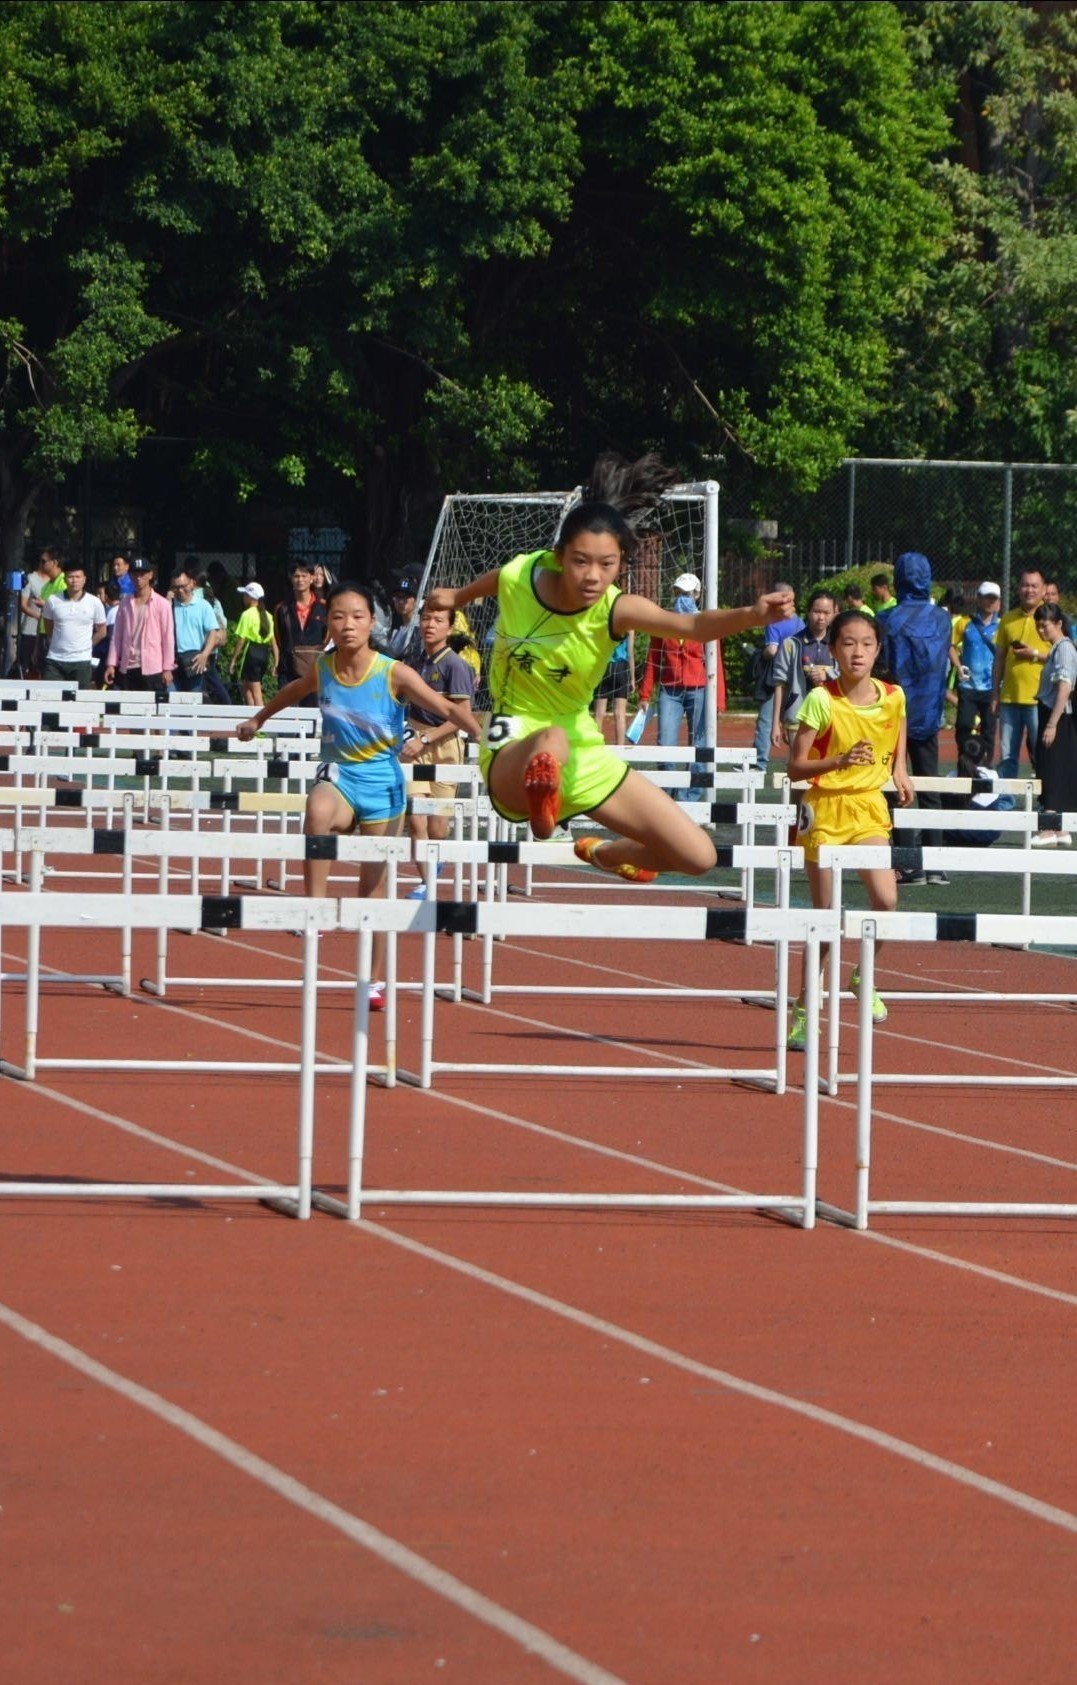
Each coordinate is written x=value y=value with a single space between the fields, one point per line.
x=589 y=779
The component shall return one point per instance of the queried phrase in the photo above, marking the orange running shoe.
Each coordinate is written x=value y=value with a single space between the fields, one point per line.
x=586 y=848
x=542 y=789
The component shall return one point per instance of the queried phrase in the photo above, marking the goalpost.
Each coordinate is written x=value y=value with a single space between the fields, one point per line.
x=478 y=531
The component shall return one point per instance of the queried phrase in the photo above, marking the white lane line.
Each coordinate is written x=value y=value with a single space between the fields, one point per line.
x=1038 y=1289
x=532 y=1639
x=888 y=1442
x=934 y=1256
x=815 y=1413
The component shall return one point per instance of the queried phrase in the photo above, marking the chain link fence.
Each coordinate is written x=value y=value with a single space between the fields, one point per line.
x=973 y=520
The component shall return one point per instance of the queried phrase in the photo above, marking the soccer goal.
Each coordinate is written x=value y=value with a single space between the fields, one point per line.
x=476 y=532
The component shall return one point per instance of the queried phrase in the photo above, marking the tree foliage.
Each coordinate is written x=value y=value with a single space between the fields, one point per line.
x=987 y=362
x=371 y=252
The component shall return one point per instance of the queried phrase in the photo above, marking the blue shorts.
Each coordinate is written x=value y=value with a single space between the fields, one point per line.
x=374 y=790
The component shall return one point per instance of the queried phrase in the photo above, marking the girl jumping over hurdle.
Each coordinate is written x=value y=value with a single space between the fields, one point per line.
x=363 y=696
x=561 y=614
x=850 y=739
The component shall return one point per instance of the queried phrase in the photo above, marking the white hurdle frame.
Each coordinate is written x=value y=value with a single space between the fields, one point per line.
x=1005 y=928
x=627 y=922
x=498 y=856
x=109 y=912
x=166 y=846
x=490 y=921
x=982 y=861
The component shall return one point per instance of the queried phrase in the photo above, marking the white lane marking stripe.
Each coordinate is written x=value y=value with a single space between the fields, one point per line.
x=1036 y=1288
x=874 y=1437
x=933 y=1256
x=388 y=1550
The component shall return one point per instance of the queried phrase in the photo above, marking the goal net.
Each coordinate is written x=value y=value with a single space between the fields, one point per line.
x=476 y=533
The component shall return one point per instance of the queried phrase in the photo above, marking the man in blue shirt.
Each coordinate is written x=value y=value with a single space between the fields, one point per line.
x=197 y=633
x=121 y=573
x=775 y=635
x=975 y=663
x=916 y=638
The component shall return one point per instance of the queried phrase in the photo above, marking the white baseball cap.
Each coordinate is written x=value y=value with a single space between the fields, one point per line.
x=989 y=589
x=686 y=582
x=252 y=590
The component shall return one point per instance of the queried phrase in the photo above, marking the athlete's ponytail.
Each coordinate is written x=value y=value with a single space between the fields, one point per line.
x=617 y=498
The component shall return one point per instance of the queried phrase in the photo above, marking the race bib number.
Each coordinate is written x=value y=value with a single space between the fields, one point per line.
x=500 y=729
x=328 y=773
x=805 y=819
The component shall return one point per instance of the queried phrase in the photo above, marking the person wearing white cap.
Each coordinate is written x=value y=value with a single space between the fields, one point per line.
x=678 y=667
x=975 y=663
x=256 y=644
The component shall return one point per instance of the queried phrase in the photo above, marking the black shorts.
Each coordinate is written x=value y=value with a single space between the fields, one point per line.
x=255 y=662
x=614 y=682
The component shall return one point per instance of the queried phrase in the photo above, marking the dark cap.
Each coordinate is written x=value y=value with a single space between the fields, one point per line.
x=139 y=564
x=406 y=587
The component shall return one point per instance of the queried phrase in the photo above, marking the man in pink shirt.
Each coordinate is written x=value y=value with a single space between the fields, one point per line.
x=142 y=653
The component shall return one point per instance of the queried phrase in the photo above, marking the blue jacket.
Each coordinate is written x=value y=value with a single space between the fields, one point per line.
x=916 y=644
x=978 y=652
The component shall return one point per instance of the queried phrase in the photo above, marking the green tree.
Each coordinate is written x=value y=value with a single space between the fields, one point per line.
x=987 y=363
x=250 y=222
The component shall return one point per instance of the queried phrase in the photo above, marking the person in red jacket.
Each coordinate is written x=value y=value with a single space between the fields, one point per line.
x=678 y=666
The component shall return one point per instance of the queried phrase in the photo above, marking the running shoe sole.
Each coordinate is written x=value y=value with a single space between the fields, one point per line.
x=542 y=792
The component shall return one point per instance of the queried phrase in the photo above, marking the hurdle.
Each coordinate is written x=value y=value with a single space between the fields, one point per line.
x=985 y=862
x=166 y=846
x=498 y=856
x=1004 y=928
x=594 y=923
x=65 y=911
x=492 y=919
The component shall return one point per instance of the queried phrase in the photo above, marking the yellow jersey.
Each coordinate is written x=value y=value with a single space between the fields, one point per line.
x=839 y=724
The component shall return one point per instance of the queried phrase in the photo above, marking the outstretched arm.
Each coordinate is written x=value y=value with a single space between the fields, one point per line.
x=444 y=597
x=409 y=685
x=289 y=697
x=639 y=614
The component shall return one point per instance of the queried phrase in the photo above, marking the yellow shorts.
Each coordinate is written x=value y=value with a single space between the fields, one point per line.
x=589 y=779
x=837 y=819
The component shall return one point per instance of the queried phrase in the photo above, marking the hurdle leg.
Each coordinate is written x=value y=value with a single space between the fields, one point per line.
x=360 y=1063
x=781 y=979
x=127 y=882
x=811 y=1077
x=33 y=971
x=458 y=895
x=833 y=1042
x=429 y=988
x=864 y=1069
x=391 y=973
x=156 y=985
x=307 y=1054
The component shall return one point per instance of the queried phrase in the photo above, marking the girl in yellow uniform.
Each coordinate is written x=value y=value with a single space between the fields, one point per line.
x=850 y=740
x=561 y=614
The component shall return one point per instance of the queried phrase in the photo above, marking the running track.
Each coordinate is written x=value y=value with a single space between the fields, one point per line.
x=505 y=1447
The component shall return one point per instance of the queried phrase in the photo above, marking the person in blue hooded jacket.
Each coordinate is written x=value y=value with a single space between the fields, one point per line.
x=916 y=651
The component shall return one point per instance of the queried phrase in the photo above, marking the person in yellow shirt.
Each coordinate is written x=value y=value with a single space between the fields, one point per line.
x=1020 y=653
x=851 y=738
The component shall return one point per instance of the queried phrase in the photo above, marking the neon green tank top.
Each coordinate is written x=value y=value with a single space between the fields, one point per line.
x=546 y=663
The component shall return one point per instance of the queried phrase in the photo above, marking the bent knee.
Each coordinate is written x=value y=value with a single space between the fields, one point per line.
x=700 y=858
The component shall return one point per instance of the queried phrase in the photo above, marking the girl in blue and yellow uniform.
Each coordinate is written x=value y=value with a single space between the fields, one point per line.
x=561 y=614
x=850 y=740
x=363 y=696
